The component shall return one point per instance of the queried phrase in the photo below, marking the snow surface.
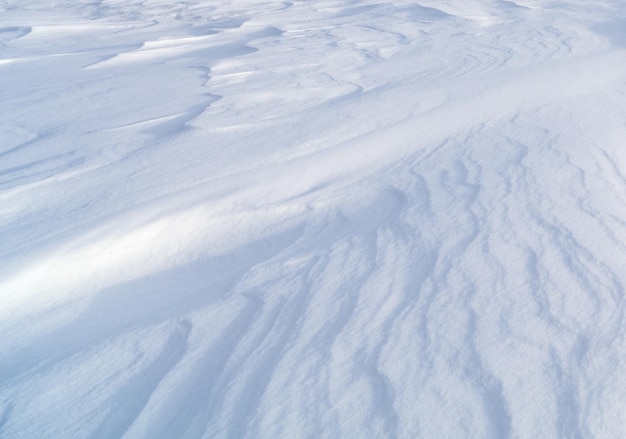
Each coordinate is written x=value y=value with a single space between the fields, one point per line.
x=312 y=219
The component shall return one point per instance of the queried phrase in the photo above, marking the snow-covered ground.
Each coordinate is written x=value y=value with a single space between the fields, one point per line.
x=312 y=219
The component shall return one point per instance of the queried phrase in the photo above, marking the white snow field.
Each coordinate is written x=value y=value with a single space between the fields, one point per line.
x=312 y=219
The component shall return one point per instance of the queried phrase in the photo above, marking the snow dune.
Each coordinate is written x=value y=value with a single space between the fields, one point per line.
x=262 y=219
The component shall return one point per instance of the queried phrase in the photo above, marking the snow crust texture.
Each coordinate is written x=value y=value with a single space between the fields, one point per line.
x=312 y=219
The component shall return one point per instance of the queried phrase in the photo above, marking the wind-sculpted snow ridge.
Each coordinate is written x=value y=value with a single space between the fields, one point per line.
x=320 y=218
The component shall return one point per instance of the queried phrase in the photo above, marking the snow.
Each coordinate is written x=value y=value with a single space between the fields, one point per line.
x=262 y=219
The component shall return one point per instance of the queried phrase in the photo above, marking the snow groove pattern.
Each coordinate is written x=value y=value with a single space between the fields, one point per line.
x=320 y=218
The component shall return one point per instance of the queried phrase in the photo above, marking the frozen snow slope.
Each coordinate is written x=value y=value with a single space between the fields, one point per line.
x=312 y=219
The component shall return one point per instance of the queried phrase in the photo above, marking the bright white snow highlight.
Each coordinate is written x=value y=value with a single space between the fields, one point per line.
x=320 y=218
